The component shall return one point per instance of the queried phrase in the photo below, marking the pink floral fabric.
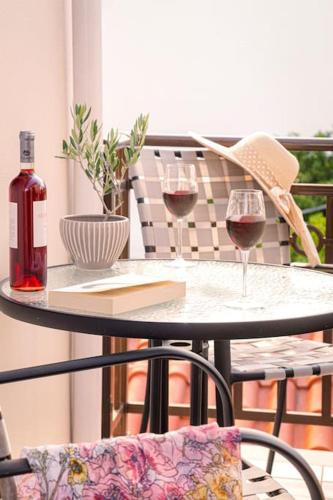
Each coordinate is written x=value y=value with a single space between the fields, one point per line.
x=193 y=463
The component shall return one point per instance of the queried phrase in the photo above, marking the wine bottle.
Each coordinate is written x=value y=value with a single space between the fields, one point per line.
x=27 y=223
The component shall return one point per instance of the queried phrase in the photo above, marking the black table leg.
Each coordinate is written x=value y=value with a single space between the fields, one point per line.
x=165 y=396
x=155 y=395
x=146 y=403
x=159 y=393
x=196 y=387
x=204 y=406
x=107 y=399
x=222 y=356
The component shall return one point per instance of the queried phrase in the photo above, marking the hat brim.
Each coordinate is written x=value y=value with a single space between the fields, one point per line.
x=228 y=154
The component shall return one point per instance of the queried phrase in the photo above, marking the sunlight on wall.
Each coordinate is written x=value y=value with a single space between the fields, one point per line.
x=219 y=67
x=33 y=92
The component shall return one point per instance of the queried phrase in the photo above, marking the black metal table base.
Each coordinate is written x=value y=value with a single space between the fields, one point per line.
x=159 y=393
x=159 y=387
x=222 y=357
x=199 y=387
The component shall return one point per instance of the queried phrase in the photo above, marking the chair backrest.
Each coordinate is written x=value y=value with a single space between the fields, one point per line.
x=204 y=234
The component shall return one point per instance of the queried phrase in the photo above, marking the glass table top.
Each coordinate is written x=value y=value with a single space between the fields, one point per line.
x=282 y=292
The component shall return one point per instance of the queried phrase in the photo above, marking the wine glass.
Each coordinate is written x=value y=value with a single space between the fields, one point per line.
x=245 y=225
x=180 y=194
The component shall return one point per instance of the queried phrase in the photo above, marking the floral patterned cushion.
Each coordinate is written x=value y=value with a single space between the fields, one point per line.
x=192 y=463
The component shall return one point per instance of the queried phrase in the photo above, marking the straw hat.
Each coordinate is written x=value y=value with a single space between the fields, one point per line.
x=275 y=169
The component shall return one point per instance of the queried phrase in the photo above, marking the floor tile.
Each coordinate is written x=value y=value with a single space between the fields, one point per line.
x=318 y=457
x=285 y=469
x=328 y=474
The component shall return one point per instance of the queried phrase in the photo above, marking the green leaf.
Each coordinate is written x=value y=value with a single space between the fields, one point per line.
x=93 y=130
x=127 y=156
x=72 y=143
x=75 y=136
x=77 y=122
x=86 y=116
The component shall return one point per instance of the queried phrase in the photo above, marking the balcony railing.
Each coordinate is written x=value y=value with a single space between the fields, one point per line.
x=115 y=404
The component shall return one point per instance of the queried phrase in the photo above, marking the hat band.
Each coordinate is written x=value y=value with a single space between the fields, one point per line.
x=282 y=197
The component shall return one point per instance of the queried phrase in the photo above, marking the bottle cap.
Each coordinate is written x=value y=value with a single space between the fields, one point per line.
x=27 y=150
x=28 y=134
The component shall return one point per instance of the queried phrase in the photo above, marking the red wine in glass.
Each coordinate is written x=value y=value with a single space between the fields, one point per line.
x=180 y=194
x=180 y=203
x=245 y=230
x=245 y=223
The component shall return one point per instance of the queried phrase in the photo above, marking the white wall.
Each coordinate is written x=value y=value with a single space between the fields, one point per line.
x=219 y=67
x=33 y=96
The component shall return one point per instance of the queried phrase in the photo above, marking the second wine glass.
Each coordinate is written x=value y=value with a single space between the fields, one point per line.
x=180 y=194
x=245 y=225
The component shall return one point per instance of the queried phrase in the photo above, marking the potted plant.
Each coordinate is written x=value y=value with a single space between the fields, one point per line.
x=95 y=241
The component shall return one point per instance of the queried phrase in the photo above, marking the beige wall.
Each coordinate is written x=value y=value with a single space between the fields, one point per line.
x=33 y=95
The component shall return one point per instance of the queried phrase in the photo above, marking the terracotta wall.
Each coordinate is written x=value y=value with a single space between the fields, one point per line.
x=33 y=95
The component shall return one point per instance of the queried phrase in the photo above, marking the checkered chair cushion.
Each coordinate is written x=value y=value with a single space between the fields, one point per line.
x=279 y=358
x=205 y=237
x=205 y=234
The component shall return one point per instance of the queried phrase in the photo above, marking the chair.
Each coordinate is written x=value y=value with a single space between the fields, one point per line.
x=205 y=237
x=255 y=481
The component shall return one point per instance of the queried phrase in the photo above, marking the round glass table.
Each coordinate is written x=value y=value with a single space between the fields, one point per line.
x=292 y=301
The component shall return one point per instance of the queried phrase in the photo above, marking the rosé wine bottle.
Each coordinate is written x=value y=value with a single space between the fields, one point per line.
x=27 y=223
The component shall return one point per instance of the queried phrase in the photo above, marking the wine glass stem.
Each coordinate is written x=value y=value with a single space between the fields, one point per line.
x=179 y=240
x=245 y=259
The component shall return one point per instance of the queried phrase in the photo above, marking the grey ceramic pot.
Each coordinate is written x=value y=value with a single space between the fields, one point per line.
x=93 y=241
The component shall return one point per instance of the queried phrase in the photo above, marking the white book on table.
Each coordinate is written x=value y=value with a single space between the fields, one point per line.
x=117 y=294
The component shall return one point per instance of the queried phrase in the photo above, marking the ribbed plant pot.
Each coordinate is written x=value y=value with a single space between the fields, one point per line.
x=93 y=241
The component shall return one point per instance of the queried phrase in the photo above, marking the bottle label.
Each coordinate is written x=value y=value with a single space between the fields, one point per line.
x=12 y=225
x=40 y=223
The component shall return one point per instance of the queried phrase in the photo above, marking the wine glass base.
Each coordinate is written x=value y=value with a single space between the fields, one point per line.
x=243 y=304
x=180 y=263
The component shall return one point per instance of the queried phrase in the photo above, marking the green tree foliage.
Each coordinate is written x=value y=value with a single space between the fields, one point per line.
x=316 y=167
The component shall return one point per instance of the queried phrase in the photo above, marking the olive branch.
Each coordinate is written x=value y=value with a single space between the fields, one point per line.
x=104 y=161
